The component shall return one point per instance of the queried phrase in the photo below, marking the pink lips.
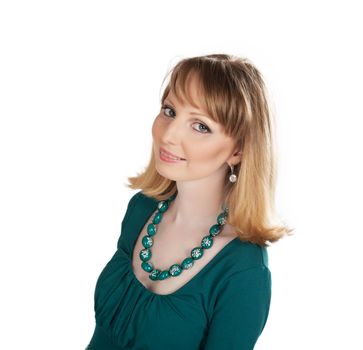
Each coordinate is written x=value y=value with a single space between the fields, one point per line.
x=164 y=157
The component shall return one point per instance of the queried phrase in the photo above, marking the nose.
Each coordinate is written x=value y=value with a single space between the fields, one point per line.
x=172 y=133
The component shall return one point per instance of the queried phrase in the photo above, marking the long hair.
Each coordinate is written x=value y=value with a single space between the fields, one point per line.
x=235 y=96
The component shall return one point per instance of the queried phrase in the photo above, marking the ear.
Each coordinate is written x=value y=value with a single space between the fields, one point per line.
x=236 y=157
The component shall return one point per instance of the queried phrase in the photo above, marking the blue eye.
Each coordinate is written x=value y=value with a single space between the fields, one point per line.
x=167 y=107
x=203 y=130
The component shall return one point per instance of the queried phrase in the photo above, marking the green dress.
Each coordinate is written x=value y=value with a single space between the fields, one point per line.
x=224 y=306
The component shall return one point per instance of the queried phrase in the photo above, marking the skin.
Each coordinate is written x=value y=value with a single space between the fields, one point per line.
x=201 y=176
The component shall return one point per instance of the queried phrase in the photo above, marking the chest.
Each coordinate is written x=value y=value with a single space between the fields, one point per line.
x=172 y=245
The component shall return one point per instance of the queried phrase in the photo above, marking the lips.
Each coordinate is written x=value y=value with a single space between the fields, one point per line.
x=169 y=154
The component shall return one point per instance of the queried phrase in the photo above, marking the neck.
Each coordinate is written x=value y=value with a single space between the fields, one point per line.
x=198 y=202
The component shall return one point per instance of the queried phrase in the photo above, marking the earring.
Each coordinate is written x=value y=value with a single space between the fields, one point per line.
x=232 y=177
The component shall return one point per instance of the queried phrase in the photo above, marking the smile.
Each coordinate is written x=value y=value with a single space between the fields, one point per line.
x=168 y=157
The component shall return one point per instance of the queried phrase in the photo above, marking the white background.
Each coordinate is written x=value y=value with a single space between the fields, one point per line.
x=80 y=83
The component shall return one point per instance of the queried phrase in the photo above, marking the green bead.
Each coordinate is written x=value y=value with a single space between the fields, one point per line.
x=147 y=241
x=164 y=275
x=171 y=198
x=157 y=218
x=215 y=230
x=187 y=263
x=163 y=206
x=154 y=275
x=222 y=218
x=197 y=253
x=145 y=254
x=146 y=266
x=151 y=229
x=207 y=242
x=175 y=270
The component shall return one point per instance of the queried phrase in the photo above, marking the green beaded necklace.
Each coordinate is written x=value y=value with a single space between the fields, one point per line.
x=195 y=254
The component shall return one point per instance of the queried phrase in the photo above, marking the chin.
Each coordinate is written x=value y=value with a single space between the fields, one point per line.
x=165 y=174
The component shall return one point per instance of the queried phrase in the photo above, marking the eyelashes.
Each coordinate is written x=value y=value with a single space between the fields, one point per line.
x=205 y=129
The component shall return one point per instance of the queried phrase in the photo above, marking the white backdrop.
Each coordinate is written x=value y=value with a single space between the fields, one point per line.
x=80 y=83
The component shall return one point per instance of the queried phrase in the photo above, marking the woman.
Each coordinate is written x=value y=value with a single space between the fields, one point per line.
x=191 y=266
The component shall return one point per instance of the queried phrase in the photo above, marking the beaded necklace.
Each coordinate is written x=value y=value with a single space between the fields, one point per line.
x=195 y=254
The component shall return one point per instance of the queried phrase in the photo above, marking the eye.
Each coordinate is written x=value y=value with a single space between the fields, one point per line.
x=165 y=107
x=204 y=129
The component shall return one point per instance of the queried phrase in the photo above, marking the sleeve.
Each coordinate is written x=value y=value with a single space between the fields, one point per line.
x=241 y=310
x=129 y=209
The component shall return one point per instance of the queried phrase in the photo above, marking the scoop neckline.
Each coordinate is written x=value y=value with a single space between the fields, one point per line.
x=184 y=286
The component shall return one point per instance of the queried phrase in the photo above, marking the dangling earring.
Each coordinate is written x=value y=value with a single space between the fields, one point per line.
x=232 y=177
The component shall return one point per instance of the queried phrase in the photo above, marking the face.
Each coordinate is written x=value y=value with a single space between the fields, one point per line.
x=189 y=133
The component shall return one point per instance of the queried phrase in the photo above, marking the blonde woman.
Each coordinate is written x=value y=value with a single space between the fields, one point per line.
x=191 y=267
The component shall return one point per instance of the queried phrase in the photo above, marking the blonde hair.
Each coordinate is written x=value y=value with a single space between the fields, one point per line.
x=235 y=96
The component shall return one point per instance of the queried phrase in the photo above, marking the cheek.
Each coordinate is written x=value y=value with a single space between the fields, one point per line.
x=206 y=152
x=156 y=129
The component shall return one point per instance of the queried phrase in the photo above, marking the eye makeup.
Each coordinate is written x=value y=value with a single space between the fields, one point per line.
x=205 y=129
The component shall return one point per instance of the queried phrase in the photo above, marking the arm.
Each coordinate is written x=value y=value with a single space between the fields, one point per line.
x=241 y=310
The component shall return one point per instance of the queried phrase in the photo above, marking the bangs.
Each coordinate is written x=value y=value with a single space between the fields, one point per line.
x=217 y=91
x=179 y=86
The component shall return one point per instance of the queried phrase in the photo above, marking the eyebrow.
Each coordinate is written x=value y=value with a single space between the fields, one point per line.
x=192 y=113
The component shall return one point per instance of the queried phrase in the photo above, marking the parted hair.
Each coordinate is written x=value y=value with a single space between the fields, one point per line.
x=235 y=96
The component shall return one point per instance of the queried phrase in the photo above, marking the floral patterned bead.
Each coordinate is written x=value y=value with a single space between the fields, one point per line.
x=207 y=242
x=222 y=218
x=147 y=241
x=145 y=254
x=151 y=229
x=164 y=275
x=187 y=263
x=175 y=270
x=197 y=253
x=215 y=230
x=163 y=206
x=154 y=274
x=147 y=266
x=157 y=218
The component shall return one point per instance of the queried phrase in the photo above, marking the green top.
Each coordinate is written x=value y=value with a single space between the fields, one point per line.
x=224 y=306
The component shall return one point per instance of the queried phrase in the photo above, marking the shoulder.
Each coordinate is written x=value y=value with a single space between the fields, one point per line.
x=139 y=204
x=247 y=274
x=246 y=255
x=241 y=268
x=130 y=207
x=135 y=197
x=138 y=207
x=139 y=199
x=244 y=266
